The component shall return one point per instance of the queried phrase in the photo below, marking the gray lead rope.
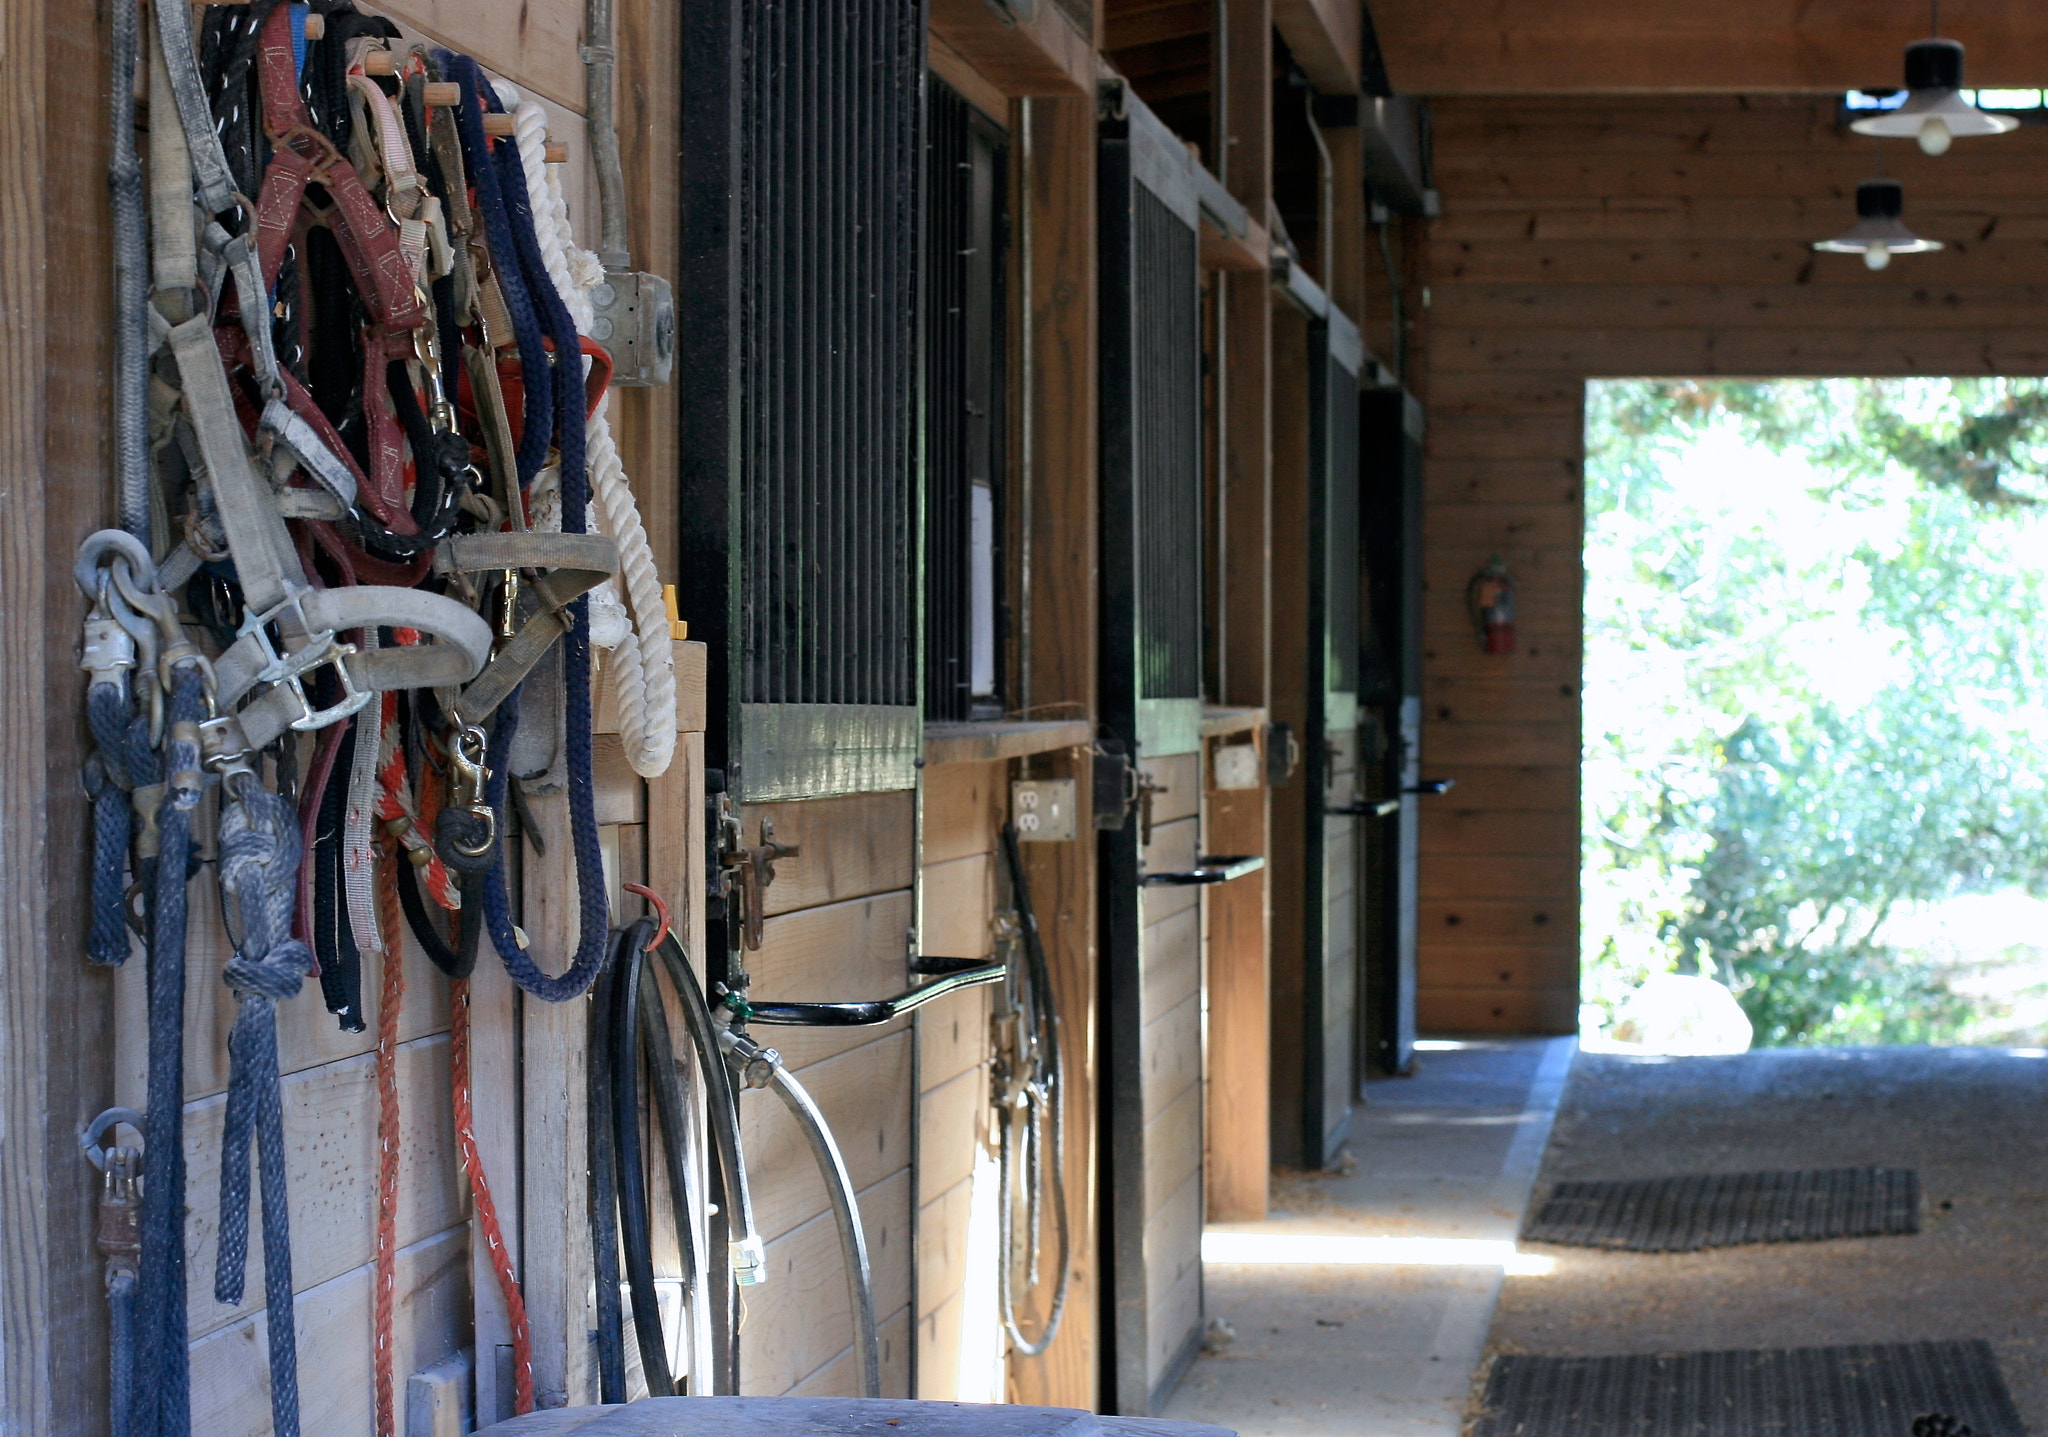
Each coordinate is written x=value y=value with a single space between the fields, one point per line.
x=259 y=865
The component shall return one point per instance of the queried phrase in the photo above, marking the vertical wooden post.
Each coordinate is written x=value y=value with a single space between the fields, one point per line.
x=554 y=1165
x=56 y=1018
x=1062 y=287
x=1238 y=955
x=1348 y=235
x=26 y=1397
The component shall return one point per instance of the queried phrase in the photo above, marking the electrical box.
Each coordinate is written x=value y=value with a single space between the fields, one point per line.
x=1234 y=765
x=635 y=321
x=1043 y=809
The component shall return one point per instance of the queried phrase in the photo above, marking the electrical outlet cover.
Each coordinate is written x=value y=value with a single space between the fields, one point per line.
x=1043 y=809
x=1235 y=765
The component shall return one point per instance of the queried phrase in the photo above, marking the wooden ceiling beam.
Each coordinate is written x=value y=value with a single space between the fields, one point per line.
x=1479 y=47
x=1326 y=37
x=1177 y=21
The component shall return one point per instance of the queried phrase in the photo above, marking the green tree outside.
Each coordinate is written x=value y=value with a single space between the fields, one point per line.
x=1816 y=689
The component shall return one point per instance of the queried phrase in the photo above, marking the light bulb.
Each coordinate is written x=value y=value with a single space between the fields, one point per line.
x=1878 y=255
x=1934 y=135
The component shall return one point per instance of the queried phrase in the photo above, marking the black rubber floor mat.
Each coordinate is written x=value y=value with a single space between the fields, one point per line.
x=1797 y=1392
x=1684 y=1214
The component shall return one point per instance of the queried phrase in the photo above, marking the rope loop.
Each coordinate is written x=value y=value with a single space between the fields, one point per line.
x=274 y=978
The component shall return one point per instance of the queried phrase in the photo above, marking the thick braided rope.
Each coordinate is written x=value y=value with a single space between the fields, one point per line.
x=259 y=855
x=163 y=1399
x=536 y=424
x=593 y=905
x=109 y=712
x=643 y=673
x=487 y=1210
x=389 y=1004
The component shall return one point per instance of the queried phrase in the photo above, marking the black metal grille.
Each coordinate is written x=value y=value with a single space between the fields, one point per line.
x=825 y=248
x=1167 y=420
x=964 y=160
x=1341 y=436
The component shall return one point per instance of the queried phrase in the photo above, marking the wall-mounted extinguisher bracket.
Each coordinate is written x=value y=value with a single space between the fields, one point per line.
x=1491 y=599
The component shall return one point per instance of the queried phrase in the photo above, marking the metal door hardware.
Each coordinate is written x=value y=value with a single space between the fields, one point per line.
x=754 y=866
x=1283 y=754
x=1378 y=809
x=1432 y=785
x=1145 y=788
x=1208 y=870
x=1115 y=785
x=860 y=1015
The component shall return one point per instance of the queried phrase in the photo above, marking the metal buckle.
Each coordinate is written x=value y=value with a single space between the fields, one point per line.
x=320 y=650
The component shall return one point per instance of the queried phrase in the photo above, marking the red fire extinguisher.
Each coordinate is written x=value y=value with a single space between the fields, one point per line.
x=1491 y=598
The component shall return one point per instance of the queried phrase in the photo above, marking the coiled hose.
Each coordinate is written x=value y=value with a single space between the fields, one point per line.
x=1038 y=1053
x=629 y=1022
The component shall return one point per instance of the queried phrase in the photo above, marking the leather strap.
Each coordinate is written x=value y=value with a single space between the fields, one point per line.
x=575 y=564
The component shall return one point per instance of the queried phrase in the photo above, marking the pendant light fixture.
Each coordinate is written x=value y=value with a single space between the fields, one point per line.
x=1878 y=233
x=1935 y=111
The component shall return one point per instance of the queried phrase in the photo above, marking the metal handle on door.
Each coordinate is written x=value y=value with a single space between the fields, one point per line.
x=1209 y=870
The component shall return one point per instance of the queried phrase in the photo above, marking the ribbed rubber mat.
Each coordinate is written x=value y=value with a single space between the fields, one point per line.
x=1797 y=1392
x=1684 y=1214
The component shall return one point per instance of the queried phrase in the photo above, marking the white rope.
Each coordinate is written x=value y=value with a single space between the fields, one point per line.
x=642 y=670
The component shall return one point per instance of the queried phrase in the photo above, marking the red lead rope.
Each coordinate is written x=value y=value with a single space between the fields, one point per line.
x=486 y=1210
x=388 y=1136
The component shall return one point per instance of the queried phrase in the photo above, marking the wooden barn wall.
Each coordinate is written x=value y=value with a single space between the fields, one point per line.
x=73 y=1035
x=1619 y=237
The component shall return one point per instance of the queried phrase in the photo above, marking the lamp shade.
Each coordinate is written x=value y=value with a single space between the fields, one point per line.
x=1935 y=111
x=1879 y=232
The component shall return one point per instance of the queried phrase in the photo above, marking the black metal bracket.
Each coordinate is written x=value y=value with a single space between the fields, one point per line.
x=1432 y=785
x=881 y=1010
x=1379 y=809
x=1208 y=870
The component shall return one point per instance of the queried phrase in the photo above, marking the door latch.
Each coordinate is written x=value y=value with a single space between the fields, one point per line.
x=754 y=867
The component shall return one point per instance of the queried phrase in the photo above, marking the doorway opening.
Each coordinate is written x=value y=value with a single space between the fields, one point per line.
x=1815 y=739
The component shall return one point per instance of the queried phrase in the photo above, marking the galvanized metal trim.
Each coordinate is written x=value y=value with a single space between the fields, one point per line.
x=1347 y=347
x=1168 y=726
x=1160 y=162
x=827 y=750
x=1340 y=712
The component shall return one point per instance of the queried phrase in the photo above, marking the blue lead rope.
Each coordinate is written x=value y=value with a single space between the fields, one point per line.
x=259 y=865
x=163 y=1389
x=552 y=408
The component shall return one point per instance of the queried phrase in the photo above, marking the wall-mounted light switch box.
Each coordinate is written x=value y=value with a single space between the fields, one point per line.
x=1043 y=809
x=1234 y=765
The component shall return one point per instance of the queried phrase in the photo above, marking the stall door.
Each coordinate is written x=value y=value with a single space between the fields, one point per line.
x=1390 y=465
x=1151 y=712
x=1336 y=811
x=799 y=374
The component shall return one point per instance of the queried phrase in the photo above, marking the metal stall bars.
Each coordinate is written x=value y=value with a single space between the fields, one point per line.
x=1390 y=695
x=1151 y=710
x=964 y=623
x=800 y=372
x=1317 y=1027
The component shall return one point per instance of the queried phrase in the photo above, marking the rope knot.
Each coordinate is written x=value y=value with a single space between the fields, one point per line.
x=274 y=977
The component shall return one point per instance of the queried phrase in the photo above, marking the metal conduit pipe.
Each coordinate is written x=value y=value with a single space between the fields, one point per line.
x=600 y=56
x=762 y=1067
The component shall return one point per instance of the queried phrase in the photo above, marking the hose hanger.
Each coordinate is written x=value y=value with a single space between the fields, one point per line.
x=1030 y=1095
x=974 y=974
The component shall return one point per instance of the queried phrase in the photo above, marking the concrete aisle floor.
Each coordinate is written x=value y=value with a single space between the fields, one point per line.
x=1361 y=1305
x=1974 y=1121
